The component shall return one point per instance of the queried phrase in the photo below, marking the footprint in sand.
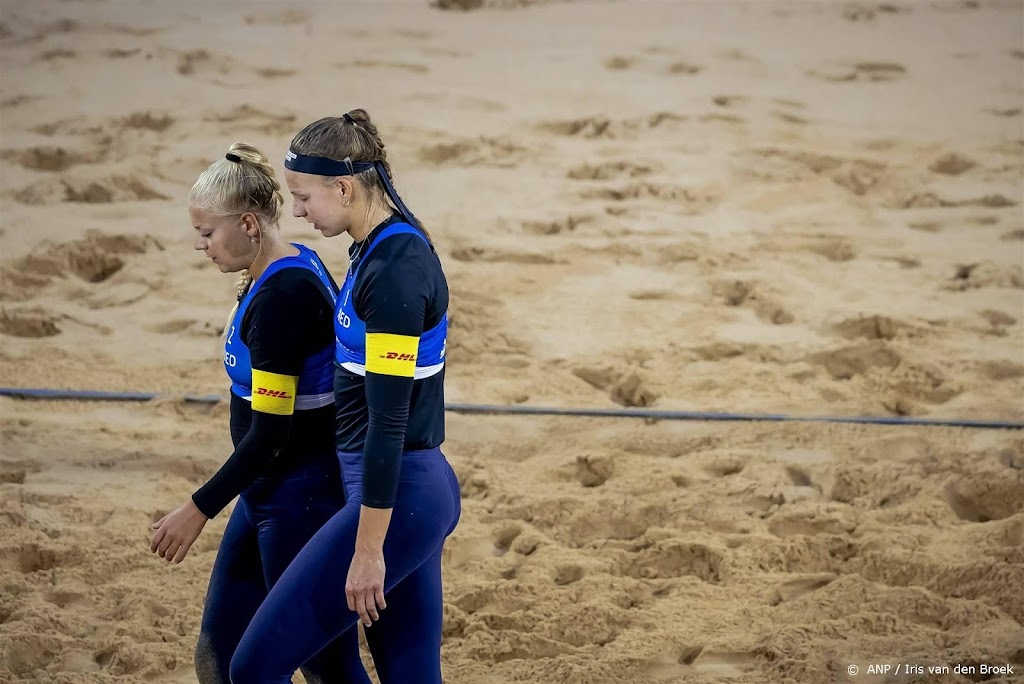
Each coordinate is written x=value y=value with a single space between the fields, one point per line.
x=593 y=471
x=501 y=256
x=120 y=53
x=123 y=659
x=18 y=100
x=32 y=323
x=673 y=666
x=985 y=274
x=609 y=170
x=605 y=127
x=832 y=247
x=684 y=68
x=137 y=31
x=148 y=121
x=619 y=63
x=873 y=328
x=808 y=525
x=59 y=53
x=690 y=201
x=952 y=164
x=568 y=574
x=565 y=225
x=625 y=387
x=190 y=326
x=861 y=71
x=203 y=63
x=30 y=653
x=94 y=259
x=41 y=32
x=997 y=319
x=729 y=100
x=911 y=200
x=724 y=467
x=88 y=190
x=980 y=500
x=869 y=12
x=791 y=118
x=29 y=558
x=480 y=151
x=1001 y=370
x=286 y=17
x=654 y=295
x=859 y=176
x=504 y=536
x=721 y=118
x=14 y=472
x=410 y=67
x=674 y=558
x=745 y=293
x=791 y=590
x=248 y=117
x=63 y=599
x=50 y=158
x=847 y=362
x=984 y=220
x=736 y=55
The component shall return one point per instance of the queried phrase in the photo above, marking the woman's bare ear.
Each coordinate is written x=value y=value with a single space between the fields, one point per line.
x=251 y=223
x=345 y=189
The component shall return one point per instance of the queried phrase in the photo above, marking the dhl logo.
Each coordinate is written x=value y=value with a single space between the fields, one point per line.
x=274 y=394
x=398 y=357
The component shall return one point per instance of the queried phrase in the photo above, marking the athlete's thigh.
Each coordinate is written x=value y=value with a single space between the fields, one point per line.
x=406 y=641
x=296 y=509
x=236 y=590
x=301 y=506
x=306 y=608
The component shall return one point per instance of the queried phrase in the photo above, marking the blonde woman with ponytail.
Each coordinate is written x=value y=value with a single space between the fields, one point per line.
x=278 y=353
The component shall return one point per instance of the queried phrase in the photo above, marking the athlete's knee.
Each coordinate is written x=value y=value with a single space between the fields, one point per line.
x=209 y=663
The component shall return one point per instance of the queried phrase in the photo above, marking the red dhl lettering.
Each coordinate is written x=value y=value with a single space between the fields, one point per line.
x=274 y=394
x=398 y=357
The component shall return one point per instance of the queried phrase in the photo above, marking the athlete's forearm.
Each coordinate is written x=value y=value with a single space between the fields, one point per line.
x=373 y=528
x=267 y=435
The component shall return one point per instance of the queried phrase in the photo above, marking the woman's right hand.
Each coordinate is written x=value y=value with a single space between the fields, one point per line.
x=364 y=587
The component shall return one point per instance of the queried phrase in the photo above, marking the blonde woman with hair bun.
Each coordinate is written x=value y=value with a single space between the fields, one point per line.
x=278 y=354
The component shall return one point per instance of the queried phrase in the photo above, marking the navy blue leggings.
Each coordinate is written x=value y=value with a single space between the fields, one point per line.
x=307 y=607
x=271 y=522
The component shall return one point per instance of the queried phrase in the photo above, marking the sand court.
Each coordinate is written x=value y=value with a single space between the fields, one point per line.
x=773 y=207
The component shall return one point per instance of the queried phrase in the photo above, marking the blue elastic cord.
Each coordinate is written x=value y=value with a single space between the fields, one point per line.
x=649 y=414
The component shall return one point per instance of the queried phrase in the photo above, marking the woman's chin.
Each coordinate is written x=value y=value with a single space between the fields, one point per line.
x=225 y=268
x=328 y=231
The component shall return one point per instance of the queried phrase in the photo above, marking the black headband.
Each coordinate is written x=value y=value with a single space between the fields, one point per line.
x=322 y=166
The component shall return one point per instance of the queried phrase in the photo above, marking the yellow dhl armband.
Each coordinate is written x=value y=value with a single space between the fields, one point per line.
x=388 y=354
x=273 y=393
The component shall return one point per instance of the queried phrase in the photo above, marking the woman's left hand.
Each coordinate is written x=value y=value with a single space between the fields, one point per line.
x=364 y=587
x=177 y=531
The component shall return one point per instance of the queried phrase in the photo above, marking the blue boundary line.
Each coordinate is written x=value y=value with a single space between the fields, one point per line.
x=494 y=409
